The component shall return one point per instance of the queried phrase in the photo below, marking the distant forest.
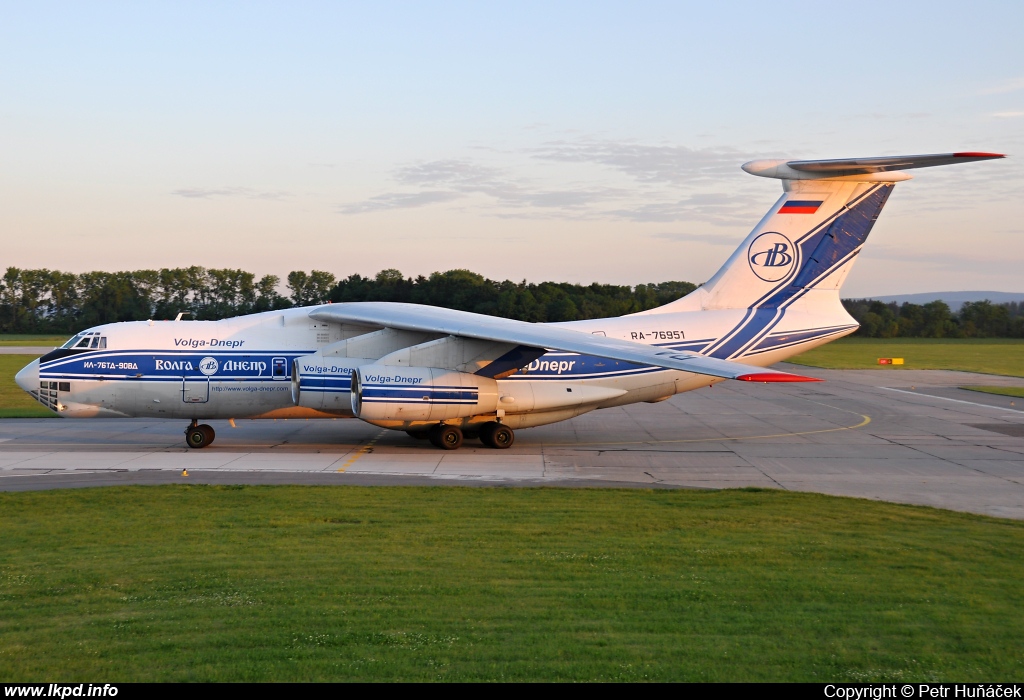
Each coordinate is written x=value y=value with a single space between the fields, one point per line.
x=49 y=301
x=978 y=319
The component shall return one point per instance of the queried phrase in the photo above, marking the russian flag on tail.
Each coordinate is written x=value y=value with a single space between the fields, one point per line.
x=800 y=206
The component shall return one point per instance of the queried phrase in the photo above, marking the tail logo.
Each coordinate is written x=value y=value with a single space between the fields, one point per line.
x=771 y=256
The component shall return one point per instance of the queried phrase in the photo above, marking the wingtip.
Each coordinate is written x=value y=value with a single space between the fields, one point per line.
x=773 y=377
x=978 y=154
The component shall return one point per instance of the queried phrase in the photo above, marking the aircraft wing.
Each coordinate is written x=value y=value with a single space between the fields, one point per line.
x=432 y=319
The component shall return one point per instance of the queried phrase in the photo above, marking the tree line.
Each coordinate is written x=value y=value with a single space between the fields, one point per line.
x=546 y=301
x=978 y=319
x=50 y=301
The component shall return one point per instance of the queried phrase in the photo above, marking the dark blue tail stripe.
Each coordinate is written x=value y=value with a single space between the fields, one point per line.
x=830 y=246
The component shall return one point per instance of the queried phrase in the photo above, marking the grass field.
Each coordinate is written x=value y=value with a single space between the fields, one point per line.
x=988 y=355
x=322 y=583
x=15 y=403
x=49 y=341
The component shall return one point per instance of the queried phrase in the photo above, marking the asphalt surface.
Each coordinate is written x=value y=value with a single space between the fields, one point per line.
x=896 y=435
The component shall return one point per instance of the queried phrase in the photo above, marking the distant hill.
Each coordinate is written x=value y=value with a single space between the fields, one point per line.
x=953 y=299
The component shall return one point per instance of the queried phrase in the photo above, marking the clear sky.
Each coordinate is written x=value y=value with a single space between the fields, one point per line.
x=563 y=141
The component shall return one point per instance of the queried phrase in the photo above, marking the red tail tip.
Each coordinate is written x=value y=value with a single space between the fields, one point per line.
x=776 y=377
x=978 y=154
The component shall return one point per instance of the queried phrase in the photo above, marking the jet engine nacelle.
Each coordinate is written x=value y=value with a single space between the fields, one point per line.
x=407 y=394
x=323 y=383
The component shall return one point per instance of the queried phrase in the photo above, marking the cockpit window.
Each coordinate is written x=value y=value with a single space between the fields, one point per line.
x=91 y=340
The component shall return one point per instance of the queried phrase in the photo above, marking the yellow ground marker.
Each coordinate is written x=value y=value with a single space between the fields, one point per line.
x=366 y=449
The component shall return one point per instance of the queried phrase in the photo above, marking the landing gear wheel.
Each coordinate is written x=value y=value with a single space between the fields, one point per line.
x=199 y=436
x=210 y=433
x=447 y=437
x=485 y=433
x=196 y=438
x=498 y=436
x=503 y=437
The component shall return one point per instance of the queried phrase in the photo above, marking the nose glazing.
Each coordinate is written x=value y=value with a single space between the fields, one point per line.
x=28 y=377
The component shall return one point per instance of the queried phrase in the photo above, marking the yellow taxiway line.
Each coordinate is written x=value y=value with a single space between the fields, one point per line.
x=365 y=450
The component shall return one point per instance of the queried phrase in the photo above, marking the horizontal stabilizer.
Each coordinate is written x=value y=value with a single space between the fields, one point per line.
x=883 y=169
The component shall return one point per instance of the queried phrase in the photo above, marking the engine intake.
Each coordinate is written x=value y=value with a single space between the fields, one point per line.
x=323 y=383
x=407 y=394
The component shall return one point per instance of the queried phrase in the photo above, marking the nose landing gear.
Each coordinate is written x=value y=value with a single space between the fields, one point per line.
x=199 y=436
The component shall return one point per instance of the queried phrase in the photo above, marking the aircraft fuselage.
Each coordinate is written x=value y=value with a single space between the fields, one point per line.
x=243 y=367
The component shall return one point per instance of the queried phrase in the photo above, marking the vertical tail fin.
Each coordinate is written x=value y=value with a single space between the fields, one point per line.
x=809 y=239
x=812 y=235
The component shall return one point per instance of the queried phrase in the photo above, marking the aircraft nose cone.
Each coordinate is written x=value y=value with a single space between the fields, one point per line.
x=28 y=377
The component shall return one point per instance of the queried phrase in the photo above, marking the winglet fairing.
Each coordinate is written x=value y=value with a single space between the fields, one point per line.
x=448 y=374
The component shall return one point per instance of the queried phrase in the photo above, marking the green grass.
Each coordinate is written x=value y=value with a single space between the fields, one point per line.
x=986 y=355
x=14 y=402
x=1017 y=391
x=350 y=583
x=26 y=339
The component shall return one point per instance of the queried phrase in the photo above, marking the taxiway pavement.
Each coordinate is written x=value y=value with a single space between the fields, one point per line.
x=896 y=435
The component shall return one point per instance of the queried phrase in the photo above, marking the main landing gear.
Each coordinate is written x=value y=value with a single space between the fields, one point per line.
x=498 y=436
x=449 y=437
x=198 y=436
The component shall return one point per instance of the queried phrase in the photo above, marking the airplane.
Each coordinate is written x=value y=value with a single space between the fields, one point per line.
x=447 y=375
